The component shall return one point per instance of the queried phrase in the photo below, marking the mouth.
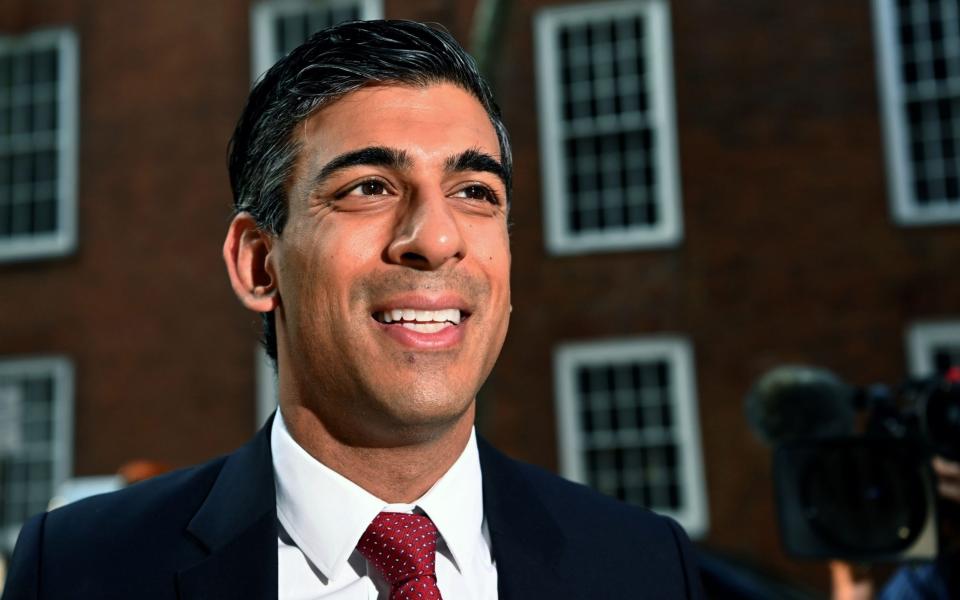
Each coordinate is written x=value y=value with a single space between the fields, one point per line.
x=421 y=321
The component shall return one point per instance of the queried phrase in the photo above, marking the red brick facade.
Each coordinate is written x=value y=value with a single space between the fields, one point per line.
x=789 y=251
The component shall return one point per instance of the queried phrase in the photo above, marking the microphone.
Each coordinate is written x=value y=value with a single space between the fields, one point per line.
x=797 y=401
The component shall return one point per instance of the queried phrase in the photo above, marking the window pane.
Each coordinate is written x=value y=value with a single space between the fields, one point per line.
x=28 y=398
x=624 y=403
x=920 y=45
x=31 y=143
x=607 y=167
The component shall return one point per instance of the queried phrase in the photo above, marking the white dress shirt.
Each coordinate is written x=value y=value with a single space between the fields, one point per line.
x=323 y=514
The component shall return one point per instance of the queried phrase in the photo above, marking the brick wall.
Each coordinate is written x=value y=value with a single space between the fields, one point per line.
x=789 y=252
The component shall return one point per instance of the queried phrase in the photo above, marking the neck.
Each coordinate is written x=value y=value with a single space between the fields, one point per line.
x=398 y=473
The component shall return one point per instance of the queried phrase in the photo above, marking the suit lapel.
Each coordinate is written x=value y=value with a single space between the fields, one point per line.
x=237 y=526
x=527 y=542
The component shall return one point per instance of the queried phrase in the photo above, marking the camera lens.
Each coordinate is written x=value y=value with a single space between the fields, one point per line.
x=864 y=497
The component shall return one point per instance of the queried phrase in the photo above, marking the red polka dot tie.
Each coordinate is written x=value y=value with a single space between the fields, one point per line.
x=403 y=548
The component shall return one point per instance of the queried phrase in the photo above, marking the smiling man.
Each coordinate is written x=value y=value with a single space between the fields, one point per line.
x=389 y=282
x=371 y=175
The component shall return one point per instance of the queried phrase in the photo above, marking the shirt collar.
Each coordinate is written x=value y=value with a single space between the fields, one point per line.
x=326 y=514
x=455 y=504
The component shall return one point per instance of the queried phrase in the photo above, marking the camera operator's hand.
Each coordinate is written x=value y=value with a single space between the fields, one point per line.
x=948 y=478
x=849 y=581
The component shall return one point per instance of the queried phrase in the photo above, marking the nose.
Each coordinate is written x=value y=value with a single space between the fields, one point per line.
x=427 y=234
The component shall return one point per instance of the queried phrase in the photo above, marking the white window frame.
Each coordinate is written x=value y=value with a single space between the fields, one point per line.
x=64 y=240
x=267 y=393
x=60 y=370
x=263 y=15
x=669 y=231
x=922 y=337
x=903 y=205
x=676 y=352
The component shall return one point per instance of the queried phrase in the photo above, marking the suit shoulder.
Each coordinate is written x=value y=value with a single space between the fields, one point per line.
x=622 y=538
x=163 y=501
x=565 y=497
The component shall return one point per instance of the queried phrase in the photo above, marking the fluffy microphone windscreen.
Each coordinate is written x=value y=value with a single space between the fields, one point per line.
x=796 y=401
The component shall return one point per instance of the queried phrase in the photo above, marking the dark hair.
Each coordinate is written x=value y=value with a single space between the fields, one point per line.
x=331 y=63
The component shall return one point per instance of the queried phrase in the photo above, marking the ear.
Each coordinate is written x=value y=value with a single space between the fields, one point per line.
x=245 y=251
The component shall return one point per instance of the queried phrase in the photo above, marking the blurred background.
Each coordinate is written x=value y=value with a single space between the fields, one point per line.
x=703 y=191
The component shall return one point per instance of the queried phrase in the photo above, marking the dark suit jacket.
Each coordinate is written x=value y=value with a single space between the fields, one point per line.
x=211 y=532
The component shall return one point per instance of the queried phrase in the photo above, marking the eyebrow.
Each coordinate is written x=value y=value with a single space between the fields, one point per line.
x=476 y=160
x=375 y=156
x=381 y=156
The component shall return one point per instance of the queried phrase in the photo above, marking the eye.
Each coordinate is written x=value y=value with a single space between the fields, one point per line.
x=370 y=187
x=478 y=192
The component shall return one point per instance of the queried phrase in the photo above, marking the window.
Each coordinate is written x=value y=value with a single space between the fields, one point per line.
x=933 y=347
x=627 y=419
x=267 y=395
x=918 y=46
x=36 y=437
x=607 y=136
x=280 y=26
x=38 y=103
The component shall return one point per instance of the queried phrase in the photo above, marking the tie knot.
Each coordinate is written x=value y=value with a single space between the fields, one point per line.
x=401 y=546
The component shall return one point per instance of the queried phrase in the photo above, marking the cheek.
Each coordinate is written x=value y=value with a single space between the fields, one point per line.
x=337 y=268
x=494 y=252
x=358 y=237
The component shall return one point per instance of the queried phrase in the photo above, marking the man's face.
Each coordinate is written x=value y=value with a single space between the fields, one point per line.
x=393 y=267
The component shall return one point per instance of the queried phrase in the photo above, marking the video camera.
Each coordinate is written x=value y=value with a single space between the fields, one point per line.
x=852 y=465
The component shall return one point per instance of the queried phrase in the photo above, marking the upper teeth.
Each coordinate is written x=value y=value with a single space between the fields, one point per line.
x=421 y=316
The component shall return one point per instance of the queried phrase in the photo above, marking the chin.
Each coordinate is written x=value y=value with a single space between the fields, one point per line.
x=430 y=411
